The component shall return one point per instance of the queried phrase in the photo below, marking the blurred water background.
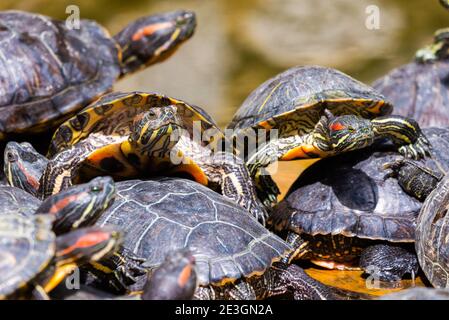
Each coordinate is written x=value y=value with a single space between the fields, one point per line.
x=241 y=43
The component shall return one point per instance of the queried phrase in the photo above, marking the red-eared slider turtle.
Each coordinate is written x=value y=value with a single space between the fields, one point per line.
x=49 y=71
x=318 y=112
x=348 y=211
x=137 y=133
x=420 y=89
x=235 y=255
x=34 y=261
x=23 y=166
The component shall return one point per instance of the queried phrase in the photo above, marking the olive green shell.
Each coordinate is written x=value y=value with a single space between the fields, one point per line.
x=419 y=91
x=159 y=216
x=350 y=195
x=114 y=114
x=432 y=234
x=48 y=71
x=27 y=246
x=307 y=91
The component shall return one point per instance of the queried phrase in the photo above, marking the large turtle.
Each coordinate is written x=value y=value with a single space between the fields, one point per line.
x=49 y=71
x=349 y=211
x=137 y=133
x=235 y=256
x=317 y=112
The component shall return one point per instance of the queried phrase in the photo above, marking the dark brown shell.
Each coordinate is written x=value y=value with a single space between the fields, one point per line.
x=420 y=91
x=48 y=71
x=350 y=195
x=159 y=216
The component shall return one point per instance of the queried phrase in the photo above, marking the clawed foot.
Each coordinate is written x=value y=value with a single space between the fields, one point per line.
x=418 y=150
x=129 y=268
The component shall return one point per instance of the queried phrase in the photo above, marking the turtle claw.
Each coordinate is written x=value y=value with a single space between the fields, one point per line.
x=418 y=150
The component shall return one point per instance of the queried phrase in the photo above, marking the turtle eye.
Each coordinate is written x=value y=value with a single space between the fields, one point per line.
x=96 y=188
x=337 y=126
x=351 y=129
x=152 y=114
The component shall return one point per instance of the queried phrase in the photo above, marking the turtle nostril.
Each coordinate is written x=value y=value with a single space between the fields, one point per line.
x=11 y=157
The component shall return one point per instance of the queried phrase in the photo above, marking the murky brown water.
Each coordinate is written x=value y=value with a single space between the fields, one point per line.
x=239 y=44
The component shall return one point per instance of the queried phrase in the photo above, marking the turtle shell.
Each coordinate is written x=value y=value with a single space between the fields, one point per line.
x=27 y=246
x=432 y=233
x=350 y=195
x=159 y=216
x=17 y=201
x=49 y=71
x=420 y=91
x=301 y=94
x=113 y=114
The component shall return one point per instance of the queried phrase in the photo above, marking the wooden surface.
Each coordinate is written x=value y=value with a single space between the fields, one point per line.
x=285 y=174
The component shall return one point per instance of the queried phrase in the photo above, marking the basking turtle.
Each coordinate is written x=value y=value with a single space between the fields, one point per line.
x=49 y=71
x=34 y=261
x=345 y=212
x=134 y=134
x=318 y=112
x=235 y=256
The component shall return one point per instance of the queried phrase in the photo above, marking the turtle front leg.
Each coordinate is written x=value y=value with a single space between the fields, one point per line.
x=230 y=172
x=416 y=179
x=405 y=132
x=388 y=263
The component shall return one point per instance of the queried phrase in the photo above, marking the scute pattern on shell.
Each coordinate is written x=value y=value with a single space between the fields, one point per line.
x=432 y=236
x=167 y=214
x=420 y=91
x=48 y=71
x=27 y=246
x=299 y=87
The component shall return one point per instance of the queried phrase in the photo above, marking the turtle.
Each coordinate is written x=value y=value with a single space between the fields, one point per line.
x=34 y=260
x=235 y=256
x=420 y=89
x=315 y=112
x=50 y=70
x=348 y=212
x=128 y=135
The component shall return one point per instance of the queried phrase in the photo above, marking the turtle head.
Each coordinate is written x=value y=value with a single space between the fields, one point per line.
x=79 y=205
x=81 y=246
x=23 y=166
x=153 y=39
x=153 y=131
x=438 y=50
x=349 y=132
x=175 y=278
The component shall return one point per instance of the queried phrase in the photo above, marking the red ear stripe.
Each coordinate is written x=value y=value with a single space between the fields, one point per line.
x=337 y=126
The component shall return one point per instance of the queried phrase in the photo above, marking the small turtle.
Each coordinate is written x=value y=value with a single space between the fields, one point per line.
x=420 y=89
x=348 y=212
x=49 y=71
x=34 y=261
x=300 y=104
x=133 y=134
